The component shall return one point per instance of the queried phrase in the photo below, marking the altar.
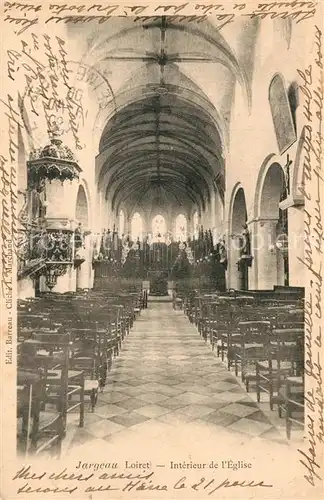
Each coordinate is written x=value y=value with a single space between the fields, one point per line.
x=158 y=284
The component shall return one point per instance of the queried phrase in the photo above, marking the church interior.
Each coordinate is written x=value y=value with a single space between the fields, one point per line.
x=160 y=285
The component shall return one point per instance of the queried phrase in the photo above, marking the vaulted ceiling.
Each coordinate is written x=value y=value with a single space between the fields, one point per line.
x=163 y=141
x=161 y=148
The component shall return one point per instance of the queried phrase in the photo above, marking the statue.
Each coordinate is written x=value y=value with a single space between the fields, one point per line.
x=222 y=252
x=246 y=242
x=286 y=186
x=245 y=249
x=78 y=237
x=39 y=201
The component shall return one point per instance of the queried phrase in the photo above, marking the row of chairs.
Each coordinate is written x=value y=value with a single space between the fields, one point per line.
x=66 y=346
x=262 y=338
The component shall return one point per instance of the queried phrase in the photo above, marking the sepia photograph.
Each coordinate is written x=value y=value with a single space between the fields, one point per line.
x=162 y=248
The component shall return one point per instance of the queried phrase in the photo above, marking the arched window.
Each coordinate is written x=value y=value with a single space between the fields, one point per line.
x=195 y=224
x=181 y=228
x=137 y=227
x=121 y=222
x=281 y=113
x=159 y=228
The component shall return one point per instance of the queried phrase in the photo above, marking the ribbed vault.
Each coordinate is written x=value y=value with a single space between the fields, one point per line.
x=164 y=136
x=163 y=149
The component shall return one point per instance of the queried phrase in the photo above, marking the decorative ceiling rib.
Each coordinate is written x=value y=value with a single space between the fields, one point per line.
x=161 y=141
x=165 y=140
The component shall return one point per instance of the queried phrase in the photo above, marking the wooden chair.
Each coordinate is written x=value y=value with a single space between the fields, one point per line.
x=51 y=352
x=41 y=430
x=221 y=327
x=284 y=360
x=92 y=349
x=92 y=376
x=292 y=402
x=255 y=339
x=231 y=337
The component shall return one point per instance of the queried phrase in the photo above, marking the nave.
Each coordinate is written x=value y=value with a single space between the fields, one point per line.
x=164 y=197
x=168 y=385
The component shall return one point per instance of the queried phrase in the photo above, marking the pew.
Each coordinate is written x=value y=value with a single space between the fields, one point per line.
x=68 y=343
x=261 y=334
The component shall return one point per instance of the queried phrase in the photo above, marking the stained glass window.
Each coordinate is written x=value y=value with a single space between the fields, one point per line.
x=159 y=228
x=137 y=227
x=181 y=228
x=121 y=222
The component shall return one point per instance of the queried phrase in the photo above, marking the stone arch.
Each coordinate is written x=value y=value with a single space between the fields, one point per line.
x=238 y=277
x=268 y=161
x=271 y=191
x=271 y=226
x=238 y=210
x=85 y=251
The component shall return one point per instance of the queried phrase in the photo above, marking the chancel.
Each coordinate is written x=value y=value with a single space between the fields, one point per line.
x=159 y=276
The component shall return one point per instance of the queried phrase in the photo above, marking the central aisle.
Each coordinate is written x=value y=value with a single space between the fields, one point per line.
x=166 y=378
x=168 y=400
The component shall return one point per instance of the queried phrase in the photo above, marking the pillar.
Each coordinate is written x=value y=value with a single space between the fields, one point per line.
x=83 y=274
x=213 y=220
x=253 y=270
x=296 y=245
x=233 y=274
x=101 y=209
x=265 y=253
x=213 y=210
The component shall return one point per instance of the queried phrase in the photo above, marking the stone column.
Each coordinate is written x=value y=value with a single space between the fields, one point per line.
x=253 y=270
x=84 y=270
x=296 y=222
x=233 y=274
x=213 y=219
x=102 y=213
x=265 y=253
x=296 y=245
x=213 y=210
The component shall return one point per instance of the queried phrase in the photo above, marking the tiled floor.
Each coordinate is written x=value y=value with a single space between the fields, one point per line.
x=165 y=379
